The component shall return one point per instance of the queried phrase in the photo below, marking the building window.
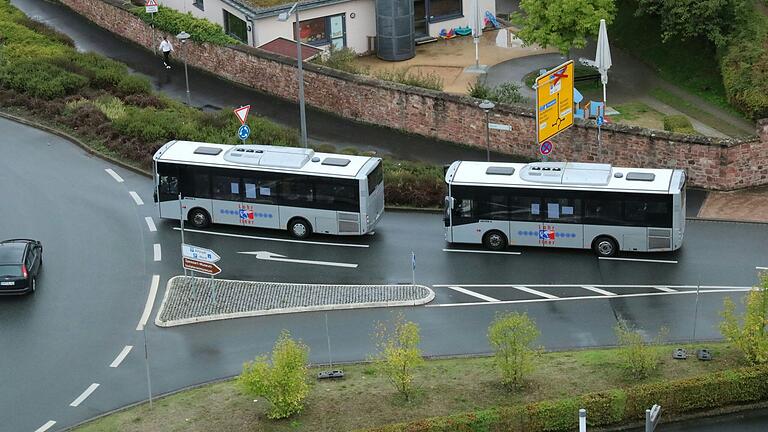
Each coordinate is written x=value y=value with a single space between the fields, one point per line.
x=444 y=9
x=235 y=27
x=200 y=4
x=324 y=31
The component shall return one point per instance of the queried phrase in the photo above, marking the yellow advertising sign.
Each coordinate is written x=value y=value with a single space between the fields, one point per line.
x=554 y=101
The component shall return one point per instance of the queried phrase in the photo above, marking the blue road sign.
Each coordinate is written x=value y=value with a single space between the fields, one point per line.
x=600 y=120
x=413 y=260
x=546 y=148
x=244 y=132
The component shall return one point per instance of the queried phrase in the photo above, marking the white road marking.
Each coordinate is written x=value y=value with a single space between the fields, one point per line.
x=473 y=294
x=49 y=424
x=270 y=256
x=136 y=198
x=158 y=252
x=535 y=292
x=84 y=395
x=275 y=239
x=639 y=260
x=150 y=302
x=651 y=294
x=120 y=357
x=150 y=223
x=598 y=290
x=675 y=287
x=481 y=251
x=114 y=175
x=761 y=268
x=665 y=289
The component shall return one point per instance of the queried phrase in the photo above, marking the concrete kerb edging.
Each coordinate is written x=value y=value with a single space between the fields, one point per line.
x=245 y=314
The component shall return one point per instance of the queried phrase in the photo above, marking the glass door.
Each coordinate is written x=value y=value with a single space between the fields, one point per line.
x=420 y=18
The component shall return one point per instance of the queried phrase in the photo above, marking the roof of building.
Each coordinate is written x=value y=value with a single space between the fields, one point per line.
x=287 y=48
x=264 y=8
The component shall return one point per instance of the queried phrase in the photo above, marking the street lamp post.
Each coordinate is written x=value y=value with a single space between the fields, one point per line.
x=183 y=36
x=487 y=106
x=285 y=16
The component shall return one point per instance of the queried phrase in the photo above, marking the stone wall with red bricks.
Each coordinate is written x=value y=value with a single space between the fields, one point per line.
x=720 y=164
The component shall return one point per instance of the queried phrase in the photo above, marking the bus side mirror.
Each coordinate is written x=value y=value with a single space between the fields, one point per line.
x=450 y=202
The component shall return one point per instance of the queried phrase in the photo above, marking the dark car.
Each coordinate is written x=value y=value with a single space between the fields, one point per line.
x=20 y=263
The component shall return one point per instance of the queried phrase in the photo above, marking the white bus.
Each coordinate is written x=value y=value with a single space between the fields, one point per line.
x=269 y=187
x=565 y=204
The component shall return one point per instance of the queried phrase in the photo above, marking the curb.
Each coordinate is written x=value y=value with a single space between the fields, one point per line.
x=281 y=311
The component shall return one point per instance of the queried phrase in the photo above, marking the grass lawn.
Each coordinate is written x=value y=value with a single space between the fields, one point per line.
x=693 y=111
x=364 y=398
x=638 y=114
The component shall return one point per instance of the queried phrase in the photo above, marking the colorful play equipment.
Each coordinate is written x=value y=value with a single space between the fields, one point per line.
x=488 y=21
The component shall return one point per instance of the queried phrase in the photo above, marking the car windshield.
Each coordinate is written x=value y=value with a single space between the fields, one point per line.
x=11 y=252
x=10 y=270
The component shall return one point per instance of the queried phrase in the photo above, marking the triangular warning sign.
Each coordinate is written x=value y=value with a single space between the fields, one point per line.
x=151 y=3
x=242 y=112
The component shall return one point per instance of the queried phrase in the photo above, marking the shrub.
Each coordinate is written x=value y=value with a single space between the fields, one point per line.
x=84 y=116
x=744 y=67
x=40 y=79
x=133 y=85
x=147 y=100
x=174 y=22
x=678 y=124
x=344 y=59
x=511 y=336
x=46 y=30
x=283 y=382
x=480 y=90
x=399 y=354
x=427 y=80
x=413 y=184
x=112 y=107
x=748 y=332
x=507 y=92
x=101 y=72
x=638 y=358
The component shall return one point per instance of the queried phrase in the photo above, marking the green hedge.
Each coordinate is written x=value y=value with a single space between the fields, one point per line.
x=174 y=22
x=709 y=391
x=40 y=79
x=745 y=68
x=679 y=124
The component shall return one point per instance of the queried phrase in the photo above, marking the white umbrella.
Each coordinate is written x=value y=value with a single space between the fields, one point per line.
x=603 y=55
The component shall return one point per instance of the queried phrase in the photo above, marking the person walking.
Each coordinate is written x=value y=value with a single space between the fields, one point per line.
x=166 y=48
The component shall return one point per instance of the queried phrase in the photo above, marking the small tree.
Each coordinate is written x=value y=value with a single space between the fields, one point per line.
x=748 y=332
x=399 y=354
x=563 y=24
x=283 y=382
x=639 y=358
x=511 y=336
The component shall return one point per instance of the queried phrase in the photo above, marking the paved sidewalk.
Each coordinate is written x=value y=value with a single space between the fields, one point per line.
x=750 y=205
x=191 y=300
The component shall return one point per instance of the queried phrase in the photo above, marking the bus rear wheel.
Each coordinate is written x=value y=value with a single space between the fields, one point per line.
x=495 y=240
x=605 y=246
x=199 y=218
x=300 y=228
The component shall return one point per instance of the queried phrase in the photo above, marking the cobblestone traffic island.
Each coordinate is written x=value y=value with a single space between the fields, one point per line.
x=189 y=300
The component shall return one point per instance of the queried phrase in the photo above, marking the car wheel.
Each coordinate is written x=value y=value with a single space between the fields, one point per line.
x=300 y=228
x=495 y=240
x=199 y=218
x=605 y=247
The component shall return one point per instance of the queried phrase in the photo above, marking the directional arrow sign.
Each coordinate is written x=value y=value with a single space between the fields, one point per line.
x=270 y=256
x=242 y=113
x=198 y=253
x=201 y=266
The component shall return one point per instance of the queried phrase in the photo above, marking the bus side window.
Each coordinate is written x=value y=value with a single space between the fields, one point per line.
x=464 y=208
x=169 y=188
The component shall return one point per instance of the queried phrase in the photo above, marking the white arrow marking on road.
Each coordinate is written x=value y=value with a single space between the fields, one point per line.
x=270 y=256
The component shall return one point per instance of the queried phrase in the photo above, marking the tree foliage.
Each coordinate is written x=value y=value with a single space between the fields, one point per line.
x=563 y=24
x=639 y=358
x=399 y=354
x=511 y=336
x=686 y=19
x=283 y=382
x=748 y=332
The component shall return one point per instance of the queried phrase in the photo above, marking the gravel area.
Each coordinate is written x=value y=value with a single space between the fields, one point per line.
x=190 y=300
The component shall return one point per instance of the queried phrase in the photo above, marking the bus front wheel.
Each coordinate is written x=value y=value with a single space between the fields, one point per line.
x=300 y=228
x=605 y=246
x=199 y=218
x=495 y=240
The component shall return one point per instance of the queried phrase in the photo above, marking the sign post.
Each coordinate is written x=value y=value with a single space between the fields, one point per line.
x=201 y=260
x=201 y=266
x=413 y=266
x=554 y=101
x=652 y=418
x=242 y=114
x=151 y=7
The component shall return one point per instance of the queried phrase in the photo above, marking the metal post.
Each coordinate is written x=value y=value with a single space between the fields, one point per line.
x=477 y=53
x=154 y=42
x=328 y=337
x=487 y=135
x=181 y=220
x=648 y=420
x=582 y=420
x=186 y=77
x=604 y=102
x=146 y=361
x=696 y=312
x=302 y=113
x=413 y=267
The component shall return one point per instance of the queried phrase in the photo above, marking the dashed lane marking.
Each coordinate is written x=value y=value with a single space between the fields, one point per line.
x=473 y=294
x=120 y=357
x=150 y=302
x=535 y=292
x=274 y=239
x=598 y=290
x=91 y=388
x=150 y=223
x=157 y=252
x=49 y=424
x=481 y=251
x=114 y=175
x=136 y=198
x=639 y=260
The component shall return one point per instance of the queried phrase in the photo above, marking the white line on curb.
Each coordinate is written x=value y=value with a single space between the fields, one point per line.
x=136 y=198
x=275 y=239
x=150 y=223
x=120 y=357
x=114 y=175
x=150 y=302
x=158 y=252
x=639 y=260
x=49 y=424
x=481 y=251
x=535 y=292
x=84 y=395
x=598 y=290
x=474 y=294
